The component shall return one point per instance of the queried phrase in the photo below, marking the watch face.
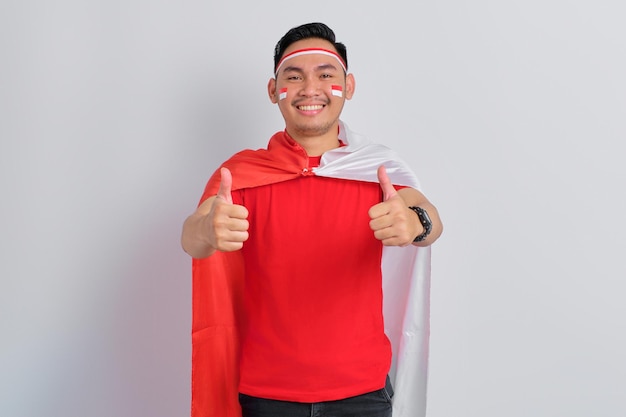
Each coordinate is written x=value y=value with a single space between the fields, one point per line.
x=425 y=217
x=422 y=215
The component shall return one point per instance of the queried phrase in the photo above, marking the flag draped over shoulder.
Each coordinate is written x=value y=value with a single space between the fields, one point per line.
x=218 y=280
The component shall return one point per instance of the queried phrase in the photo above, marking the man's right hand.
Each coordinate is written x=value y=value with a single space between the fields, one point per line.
x=217 y=223
x=227 y=223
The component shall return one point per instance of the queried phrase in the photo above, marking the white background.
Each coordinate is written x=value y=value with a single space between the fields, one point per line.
x=114 y=113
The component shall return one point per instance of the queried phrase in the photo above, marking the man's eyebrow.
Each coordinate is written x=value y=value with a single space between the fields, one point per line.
x=321 y=67
x=325 y=67
x=292 y=69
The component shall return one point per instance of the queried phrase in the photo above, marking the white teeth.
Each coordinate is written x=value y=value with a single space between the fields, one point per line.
x=311 y=108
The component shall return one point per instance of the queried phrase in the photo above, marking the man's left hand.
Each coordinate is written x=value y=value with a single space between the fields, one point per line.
x=392 y=221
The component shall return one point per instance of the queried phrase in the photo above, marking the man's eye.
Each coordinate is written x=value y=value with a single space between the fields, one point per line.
x=327 y=76
x=293 y=78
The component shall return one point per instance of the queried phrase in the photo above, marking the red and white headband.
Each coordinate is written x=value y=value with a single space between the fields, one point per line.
x=309 y=51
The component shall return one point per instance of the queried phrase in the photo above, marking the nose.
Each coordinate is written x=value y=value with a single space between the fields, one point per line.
x=310 y=87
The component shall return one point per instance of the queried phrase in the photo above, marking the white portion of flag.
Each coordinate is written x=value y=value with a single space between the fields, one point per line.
x=406 y=273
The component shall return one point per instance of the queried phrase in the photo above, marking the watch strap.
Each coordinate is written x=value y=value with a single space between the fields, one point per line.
x=425 y=221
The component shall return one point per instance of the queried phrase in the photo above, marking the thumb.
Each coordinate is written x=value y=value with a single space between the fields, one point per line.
x=226 y=184
x=385 y=184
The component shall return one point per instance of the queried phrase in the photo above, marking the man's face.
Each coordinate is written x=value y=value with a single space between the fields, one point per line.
x=308 y=104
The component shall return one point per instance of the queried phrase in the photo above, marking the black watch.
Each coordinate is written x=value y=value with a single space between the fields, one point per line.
x=424 y=220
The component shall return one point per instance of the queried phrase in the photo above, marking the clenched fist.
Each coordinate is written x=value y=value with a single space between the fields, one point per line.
x=217 y=223
x=227 y=223
x=392 y=221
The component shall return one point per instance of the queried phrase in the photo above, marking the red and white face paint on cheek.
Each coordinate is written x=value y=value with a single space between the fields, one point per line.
x=282 y=93
x=337 y=90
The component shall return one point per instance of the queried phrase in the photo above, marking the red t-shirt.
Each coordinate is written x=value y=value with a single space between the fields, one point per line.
x=313 y=296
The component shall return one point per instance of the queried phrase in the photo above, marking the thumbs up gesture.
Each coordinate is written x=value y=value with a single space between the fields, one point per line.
x=227 y=223
x=392 y=221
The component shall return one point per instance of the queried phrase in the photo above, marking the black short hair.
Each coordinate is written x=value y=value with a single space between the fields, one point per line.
x=306 y=31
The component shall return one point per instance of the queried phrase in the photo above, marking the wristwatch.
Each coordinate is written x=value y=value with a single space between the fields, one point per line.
x=422 y=215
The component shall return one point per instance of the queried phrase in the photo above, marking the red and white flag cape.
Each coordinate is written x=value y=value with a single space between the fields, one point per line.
x=217 y=280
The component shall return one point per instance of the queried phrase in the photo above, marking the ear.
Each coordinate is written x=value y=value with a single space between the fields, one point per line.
x=271 y=90
x=350 y=86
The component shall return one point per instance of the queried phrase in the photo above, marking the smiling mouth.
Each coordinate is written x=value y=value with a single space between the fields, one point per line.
x=311 y=107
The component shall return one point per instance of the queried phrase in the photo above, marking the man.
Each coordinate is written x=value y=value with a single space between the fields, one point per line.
x=287 y=245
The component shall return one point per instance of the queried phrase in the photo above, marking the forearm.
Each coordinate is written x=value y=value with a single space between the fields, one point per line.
x=414 y=197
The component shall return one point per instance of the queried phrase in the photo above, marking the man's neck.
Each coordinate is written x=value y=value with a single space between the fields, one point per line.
x=316 y=145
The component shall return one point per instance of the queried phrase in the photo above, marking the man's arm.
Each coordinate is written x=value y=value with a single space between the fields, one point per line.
x=217 y=223
x=414 y=198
